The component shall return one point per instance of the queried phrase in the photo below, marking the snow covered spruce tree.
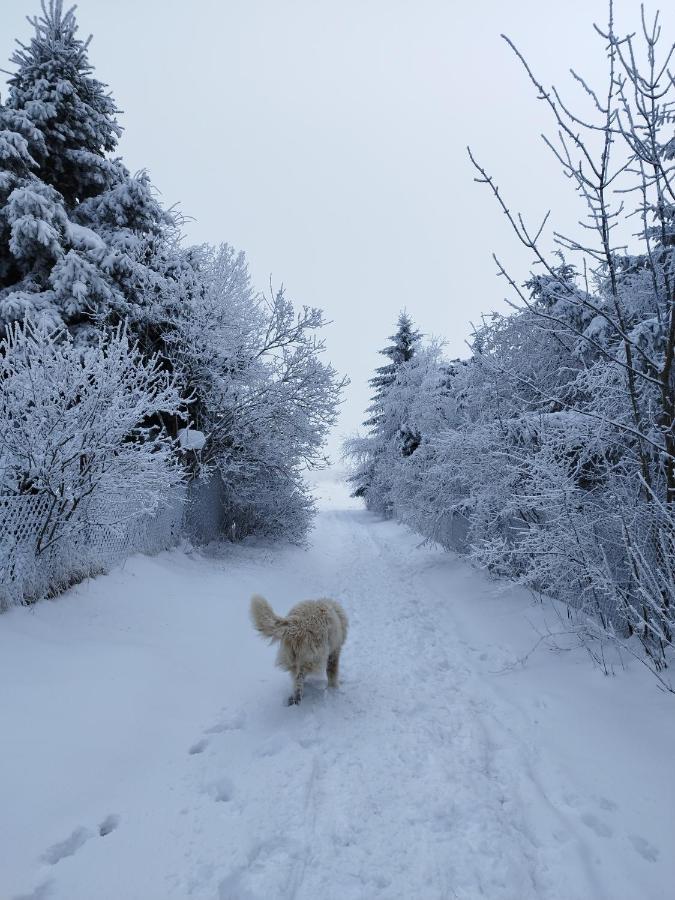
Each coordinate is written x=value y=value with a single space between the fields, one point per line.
x=82 y=242
x=262 y=397
x=370 y=478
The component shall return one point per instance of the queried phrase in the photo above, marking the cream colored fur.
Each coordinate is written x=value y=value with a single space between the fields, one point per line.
x=310 y=638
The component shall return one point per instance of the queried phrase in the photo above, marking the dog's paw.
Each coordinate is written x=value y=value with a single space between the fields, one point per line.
x=293 y=700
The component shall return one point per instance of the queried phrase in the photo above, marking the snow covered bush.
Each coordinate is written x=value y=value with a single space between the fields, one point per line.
x=593 y=441
x=77 y=427
x=262 y=397
x=550 y=455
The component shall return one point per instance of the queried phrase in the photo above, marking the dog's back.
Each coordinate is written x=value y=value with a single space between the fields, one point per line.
x=310 y=636
x=315 y=625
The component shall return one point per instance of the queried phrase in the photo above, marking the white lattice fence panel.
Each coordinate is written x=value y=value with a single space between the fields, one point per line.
x=89 y=546
x=21 y=519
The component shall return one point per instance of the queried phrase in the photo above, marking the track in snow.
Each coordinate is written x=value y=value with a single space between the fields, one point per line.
x=425 y=776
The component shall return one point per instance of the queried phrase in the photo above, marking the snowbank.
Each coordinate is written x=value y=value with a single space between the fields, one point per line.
x=147 y=755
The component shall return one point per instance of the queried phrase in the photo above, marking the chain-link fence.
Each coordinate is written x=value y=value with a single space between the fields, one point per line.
x=95 y=539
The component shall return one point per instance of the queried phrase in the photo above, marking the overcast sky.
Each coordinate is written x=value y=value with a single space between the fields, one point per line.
x=328 y=141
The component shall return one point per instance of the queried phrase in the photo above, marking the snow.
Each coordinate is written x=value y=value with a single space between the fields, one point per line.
x=146 y=753
x=191 y=439
x=84 y=238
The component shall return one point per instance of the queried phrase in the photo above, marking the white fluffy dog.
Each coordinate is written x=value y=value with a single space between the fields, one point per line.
x=310 y=638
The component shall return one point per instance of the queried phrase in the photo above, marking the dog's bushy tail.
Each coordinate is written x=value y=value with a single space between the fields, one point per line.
x=265 y=620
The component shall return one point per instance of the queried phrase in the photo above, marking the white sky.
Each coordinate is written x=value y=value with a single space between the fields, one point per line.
x=328 y=141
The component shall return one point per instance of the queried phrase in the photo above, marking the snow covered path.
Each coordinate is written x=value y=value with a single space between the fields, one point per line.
x=146 y=754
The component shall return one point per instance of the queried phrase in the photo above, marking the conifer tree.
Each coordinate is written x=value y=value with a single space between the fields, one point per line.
x=382 y=427
x=82 y=242
x=401 y=350
x=53 y=86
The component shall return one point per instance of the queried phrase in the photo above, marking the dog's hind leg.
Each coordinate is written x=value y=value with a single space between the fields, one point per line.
x=298 y=685
x=332 y=668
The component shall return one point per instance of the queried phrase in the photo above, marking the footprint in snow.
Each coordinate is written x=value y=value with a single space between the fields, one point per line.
x=199 y=747
x=596 y=825
x=233 y=722
x=644 y=848
x=222 y=790
x=69 y=847
x=562 y=835
x=271 y=862
x=231 y=888
x=109 y=824
x=272 y=746
x=72 y=844
x=42 y=892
